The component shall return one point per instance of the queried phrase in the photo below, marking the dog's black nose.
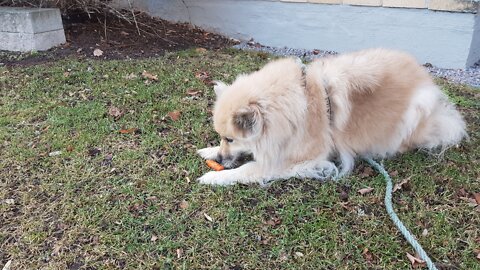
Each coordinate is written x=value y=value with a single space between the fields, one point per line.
x=219 y=158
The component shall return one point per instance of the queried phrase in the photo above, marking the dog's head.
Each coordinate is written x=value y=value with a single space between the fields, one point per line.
x=253 y=113
x=239 y=122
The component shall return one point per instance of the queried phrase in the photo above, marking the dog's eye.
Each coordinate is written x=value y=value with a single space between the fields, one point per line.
x=229 y=140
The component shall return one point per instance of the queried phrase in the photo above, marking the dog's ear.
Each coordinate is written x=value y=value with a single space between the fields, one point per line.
x=249 y=120
x=219 y=87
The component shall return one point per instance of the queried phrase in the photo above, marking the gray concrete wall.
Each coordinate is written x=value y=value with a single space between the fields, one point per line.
x=474 y=55
x=441 y=38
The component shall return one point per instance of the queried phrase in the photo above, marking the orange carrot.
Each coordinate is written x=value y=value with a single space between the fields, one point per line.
x=214 y=165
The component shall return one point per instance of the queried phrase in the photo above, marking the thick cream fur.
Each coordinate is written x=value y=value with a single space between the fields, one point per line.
x=382 y=103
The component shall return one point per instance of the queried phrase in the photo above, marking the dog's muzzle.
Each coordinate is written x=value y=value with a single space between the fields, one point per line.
x=231 y=162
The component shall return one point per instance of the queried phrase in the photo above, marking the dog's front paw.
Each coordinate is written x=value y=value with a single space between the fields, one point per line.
x=209 y=152
x=215 y=178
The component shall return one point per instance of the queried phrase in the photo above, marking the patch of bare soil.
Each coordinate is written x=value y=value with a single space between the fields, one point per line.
x=114 y=38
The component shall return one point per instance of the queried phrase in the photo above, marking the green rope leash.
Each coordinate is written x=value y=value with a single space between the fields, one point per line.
x=393 y=216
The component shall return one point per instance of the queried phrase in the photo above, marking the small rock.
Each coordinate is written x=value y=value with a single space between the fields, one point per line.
x=9 y=201
x=183 y=205
x=343 y=196
x=7 y=265
x=97 y=52
x=55 y=153
x=207 y=217
x=179 y=253
x=299 y=254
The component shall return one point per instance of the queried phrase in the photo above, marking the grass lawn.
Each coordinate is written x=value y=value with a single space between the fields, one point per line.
x=76 y=193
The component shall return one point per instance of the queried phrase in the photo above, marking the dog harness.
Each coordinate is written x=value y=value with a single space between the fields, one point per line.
x=327 y=96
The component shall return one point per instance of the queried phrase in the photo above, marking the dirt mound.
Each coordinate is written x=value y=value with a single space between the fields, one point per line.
x=116 y=38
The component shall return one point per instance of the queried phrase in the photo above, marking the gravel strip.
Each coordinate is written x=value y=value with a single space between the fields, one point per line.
x=470 y=76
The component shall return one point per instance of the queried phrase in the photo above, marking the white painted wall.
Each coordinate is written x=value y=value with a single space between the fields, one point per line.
x=441 y=38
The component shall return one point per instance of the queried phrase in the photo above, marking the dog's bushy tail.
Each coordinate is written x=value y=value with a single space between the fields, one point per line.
x=443 y=128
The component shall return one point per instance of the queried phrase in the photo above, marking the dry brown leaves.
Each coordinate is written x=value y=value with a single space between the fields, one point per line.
x=274 y=221
x=149 y=76
x=204 y=76
x=477 y=251
x=193 y=92
x=115 y=112
x=415 y=261
x=366 y=190
x=343 y=196
x=473 y=200
x=399 y=186
x=152 y=198
x=367 y=255
x=129 y=130
x=154 y=238
x=183 y=205
x=476 y=196
x=69 y=148
x=367 y=172
x=175 y=115
x=131 y=76
x=56 y=249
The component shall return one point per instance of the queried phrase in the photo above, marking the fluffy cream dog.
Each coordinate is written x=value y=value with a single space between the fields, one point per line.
x=296 y=120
